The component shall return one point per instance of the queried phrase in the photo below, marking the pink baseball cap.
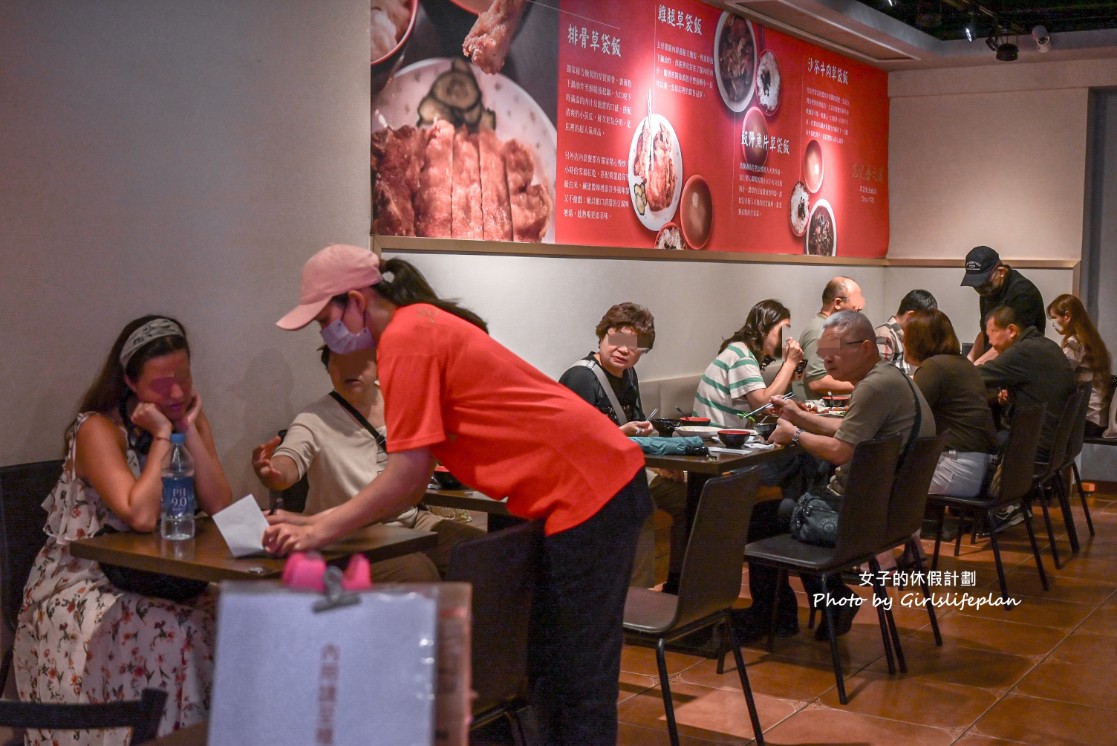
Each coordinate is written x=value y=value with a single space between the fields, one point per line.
x=334 y=270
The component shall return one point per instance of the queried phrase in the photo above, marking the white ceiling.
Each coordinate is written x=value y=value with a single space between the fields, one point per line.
x=860 y=32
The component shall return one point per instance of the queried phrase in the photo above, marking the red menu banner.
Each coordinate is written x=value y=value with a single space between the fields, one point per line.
x=630 y=124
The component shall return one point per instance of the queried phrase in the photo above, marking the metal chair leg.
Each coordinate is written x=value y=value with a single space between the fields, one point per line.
x=887 y=621
x=1061 y=491
x=1082 y=496
x=914 y=548
x=742 y=674
x=828 y=613
x=1035 y=548
x=1050 y=529
x=665 y=685
x=997 y=558
x=938 y=536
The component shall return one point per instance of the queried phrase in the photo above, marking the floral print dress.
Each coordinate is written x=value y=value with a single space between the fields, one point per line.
x=81 y=639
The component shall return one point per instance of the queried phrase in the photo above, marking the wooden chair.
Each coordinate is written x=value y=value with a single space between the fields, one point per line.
x=709 y=583
x=23 y=487
x=862 y=531
x=141 y=715
x=503 y=568
x=1017 y=462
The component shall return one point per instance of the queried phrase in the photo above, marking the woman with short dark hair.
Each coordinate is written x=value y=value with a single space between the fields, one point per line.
x=607 y=379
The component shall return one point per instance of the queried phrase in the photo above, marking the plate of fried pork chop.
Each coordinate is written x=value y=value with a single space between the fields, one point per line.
x=655 y=172
x=452 y=179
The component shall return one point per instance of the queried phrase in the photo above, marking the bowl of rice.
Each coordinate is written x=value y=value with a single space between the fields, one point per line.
x=768 y=83
x=390 y=27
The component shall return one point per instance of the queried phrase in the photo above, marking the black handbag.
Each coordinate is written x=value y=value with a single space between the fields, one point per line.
x=147 y=583
x=814 y=520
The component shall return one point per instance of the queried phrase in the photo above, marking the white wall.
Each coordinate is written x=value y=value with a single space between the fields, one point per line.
x=174 y=157
x=546 y=309
x=991 y=155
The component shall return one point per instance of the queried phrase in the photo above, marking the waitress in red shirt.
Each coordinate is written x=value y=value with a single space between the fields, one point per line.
x=454 y=394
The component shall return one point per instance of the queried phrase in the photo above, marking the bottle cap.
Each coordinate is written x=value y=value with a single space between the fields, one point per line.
x=178 y=438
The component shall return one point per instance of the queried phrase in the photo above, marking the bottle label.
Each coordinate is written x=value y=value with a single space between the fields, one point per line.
x=178 y=495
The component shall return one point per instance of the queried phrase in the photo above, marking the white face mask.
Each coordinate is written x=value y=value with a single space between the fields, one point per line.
x=342 y=341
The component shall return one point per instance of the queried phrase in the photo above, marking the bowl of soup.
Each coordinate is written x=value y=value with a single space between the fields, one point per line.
x=696 y=212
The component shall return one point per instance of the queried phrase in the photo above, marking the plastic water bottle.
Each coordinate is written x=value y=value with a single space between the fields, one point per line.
x=178 y=491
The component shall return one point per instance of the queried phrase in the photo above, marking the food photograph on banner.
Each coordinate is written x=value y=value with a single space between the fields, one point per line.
x=627 y=124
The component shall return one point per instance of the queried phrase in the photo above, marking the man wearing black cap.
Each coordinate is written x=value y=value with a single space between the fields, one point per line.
x=1000 y=285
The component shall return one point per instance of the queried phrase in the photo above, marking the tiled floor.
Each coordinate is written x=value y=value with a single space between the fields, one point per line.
x=1041 y=673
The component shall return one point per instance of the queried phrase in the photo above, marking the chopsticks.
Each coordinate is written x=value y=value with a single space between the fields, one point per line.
x=747 y=415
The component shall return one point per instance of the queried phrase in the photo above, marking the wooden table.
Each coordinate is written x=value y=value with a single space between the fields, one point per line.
x=701 y=468
x=698 y=469
x=466 y=500
x=207 y=557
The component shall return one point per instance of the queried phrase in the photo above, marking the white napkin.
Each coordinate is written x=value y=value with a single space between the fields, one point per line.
x=747 y=449
x=242 y=524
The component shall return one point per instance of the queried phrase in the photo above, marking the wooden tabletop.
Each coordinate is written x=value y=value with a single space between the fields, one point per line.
x=207 y=556
x=466 y=500
x=715 y=463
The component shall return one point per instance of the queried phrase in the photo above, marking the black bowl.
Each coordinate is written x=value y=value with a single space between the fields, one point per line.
x=764 y=429
x=665 y=426
x=447 y=481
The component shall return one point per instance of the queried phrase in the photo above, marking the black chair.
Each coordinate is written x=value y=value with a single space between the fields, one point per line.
x=1017 y=461
x=906 y=508
x=503 y=568
x=862 y=530
x=709 y=583
x=141 y=715
x=1074 y=449
x=1047 y=476
x=23 y=487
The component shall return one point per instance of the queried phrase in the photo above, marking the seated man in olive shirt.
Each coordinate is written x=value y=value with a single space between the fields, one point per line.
x=1029 y=370
x=883 y=404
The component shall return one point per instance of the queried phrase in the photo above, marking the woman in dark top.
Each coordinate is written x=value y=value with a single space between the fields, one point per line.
x=624 y=334
x=954 y=389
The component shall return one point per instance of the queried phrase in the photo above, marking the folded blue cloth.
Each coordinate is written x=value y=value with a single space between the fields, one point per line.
x=691 y=446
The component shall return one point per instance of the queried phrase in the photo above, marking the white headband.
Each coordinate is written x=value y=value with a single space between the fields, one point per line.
x=151 y=330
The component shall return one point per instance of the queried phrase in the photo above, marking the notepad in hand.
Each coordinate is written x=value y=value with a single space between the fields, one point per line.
x=242 y=525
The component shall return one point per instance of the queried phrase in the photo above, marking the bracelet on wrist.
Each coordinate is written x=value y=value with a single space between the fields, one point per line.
x=795 y=437
x=161 y=437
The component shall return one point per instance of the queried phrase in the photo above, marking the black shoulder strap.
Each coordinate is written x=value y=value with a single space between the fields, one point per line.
x=380 y=441
x=915 y=428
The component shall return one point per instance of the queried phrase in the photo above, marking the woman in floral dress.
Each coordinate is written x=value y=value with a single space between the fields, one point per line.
x=81 y=639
